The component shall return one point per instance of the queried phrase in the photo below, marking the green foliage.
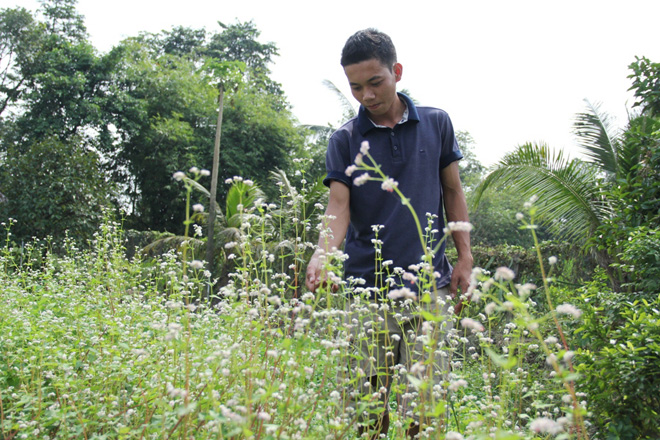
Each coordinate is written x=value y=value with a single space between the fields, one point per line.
x=640 y=261
x=646 y=84
x=619 y=360
x=20 y=38
x=570 y=199
x=54 y=188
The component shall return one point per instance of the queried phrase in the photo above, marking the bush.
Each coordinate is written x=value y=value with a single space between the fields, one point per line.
x=620 y=363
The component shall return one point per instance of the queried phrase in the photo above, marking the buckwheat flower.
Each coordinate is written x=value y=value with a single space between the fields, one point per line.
x=568 y=356
x=569 y=309
x=472 y=324
x=551 y=340
x=552 y=261
x=545 y=425
x=403 y=293
x=198 y=207
x=409 y=277
x=364 y=147
x=263 y=416
x=248 y=182
x=361 y=179
x=359 y=159
x=458 y=227
x=179 y=175
x=229 y=181
x=205 y=172
x=453 y=435
x=350 y=170
x=194 y=170
x=504 y=274
x=519 y=216
x=455 y=385
x=389 y=184
x=528 y=204
x=525 y=289
x=490 y=308
x=196 y=264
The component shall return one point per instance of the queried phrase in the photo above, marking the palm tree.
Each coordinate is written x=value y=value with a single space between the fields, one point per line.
x=572 y=193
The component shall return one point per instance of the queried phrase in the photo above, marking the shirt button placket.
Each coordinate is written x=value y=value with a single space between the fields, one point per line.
x=396 y=149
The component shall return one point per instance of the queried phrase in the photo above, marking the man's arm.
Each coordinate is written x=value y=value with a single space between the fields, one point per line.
x=338 y=211
x=456 y=211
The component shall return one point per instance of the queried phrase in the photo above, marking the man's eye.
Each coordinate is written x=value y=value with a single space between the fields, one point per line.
x=376 y=84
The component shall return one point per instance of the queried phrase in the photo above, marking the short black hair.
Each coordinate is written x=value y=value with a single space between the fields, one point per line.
x=368 y=44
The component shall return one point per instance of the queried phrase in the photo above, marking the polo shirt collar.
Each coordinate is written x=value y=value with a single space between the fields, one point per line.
x=365 y=124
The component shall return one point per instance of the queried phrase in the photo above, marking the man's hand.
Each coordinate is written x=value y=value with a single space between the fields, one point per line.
x=460 y=278
x=313 y=279
x=316 y=274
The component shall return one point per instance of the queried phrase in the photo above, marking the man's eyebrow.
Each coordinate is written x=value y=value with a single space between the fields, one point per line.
x=373 y=78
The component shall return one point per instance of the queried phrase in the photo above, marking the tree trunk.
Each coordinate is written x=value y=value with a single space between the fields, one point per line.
x=214 y=187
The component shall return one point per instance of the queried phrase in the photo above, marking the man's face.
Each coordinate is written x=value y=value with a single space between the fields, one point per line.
x=374 y=85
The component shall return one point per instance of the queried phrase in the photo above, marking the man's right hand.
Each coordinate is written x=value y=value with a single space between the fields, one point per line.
x=316 y=273
x=313 y=277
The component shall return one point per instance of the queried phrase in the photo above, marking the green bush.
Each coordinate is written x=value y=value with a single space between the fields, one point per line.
x=619 y=361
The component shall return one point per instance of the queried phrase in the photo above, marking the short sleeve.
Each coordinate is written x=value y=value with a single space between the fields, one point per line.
x=337 y=159
x=450 y=151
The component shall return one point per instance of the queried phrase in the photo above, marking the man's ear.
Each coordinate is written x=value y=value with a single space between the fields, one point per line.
x=398 y=71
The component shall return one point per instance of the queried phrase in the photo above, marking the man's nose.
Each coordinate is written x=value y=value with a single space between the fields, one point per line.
x=368 y=94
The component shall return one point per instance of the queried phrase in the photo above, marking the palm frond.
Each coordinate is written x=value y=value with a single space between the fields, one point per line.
x=598 y=138
x=570 y=201
x=173 y=242
x=346 y=105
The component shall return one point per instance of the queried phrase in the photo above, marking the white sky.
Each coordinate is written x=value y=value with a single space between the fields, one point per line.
x=509 y=72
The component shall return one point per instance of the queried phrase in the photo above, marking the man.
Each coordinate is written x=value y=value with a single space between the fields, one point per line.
x=416 y=147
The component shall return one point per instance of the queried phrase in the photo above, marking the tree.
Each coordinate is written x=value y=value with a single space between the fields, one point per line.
x=19 y=40
x=52 y=188
x=239 y=42
x=166 y=111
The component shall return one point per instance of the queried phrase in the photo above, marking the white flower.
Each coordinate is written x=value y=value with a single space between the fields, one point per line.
x=458 y=227
x=404 y=293
x=525 y=289
x=569 y=309
x=453 y=435
x=248 y=182
x=198 y=207
x=205 y=172
x=358 y=159
x=364 y=147
x=263 y=416
x=472 y=324
x=490 y=308
x=361 y=179
x=389 y=184
x=194 y=170
x=504 y=274
x=350 y=170
x=545 y=425
x=179 y=175
x=552 y=260
x=519 y=216
x=531 y=201
x=196 y=264
x=457 y=384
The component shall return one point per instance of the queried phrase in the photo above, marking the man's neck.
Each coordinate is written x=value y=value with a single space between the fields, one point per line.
x=392 y=117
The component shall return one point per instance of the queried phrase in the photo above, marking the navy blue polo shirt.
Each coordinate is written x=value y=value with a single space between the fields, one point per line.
x=413 y=153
